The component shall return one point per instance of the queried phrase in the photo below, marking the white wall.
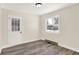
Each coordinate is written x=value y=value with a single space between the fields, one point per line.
x=0 y=28
x=31 y=26
x=69 y=27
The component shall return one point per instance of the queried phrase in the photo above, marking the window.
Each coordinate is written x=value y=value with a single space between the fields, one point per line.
x=52 y=24
x=15 y=24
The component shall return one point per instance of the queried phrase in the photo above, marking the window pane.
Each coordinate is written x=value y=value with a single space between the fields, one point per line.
x=15 y=24
x=51 y=21
x=52 y=24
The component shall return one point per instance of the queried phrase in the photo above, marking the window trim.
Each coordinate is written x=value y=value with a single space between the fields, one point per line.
x=52 y=31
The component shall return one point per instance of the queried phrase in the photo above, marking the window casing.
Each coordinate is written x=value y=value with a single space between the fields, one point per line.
x=52 y=24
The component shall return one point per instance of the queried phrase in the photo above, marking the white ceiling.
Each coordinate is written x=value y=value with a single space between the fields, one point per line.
x=31 y=8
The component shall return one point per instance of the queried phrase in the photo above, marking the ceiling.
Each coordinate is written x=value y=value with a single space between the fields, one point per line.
x=31 y=8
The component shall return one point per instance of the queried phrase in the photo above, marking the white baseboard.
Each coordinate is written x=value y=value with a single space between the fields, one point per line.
x=65 y=46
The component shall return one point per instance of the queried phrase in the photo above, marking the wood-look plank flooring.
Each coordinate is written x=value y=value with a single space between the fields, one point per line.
x=39 y=47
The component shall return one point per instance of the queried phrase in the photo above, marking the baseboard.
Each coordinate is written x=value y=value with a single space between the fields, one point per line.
x=73 y=49
x=51 y=42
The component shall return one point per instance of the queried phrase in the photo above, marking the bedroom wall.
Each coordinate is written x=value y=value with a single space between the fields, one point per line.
x=69 y=27
x=30 y=22
x=0 y=28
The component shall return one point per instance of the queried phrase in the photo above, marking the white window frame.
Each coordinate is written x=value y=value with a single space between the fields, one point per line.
x=57 y=31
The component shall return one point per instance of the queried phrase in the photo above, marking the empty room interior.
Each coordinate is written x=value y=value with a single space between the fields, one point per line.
x=39 y=29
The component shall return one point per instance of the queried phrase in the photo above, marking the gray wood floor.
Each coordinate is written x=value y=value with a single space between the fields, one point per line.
x=39 y=47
